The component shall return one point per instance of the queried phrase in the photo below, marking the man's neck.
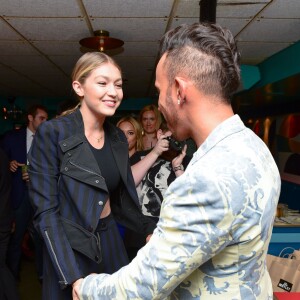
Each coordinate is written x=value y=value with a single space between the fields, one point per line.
x=209 y=115
x=31 y=129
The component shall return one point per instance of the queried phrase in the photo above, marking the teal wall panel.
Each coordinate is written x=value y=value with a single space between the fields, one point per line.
x=281 y=65
x=250 y=75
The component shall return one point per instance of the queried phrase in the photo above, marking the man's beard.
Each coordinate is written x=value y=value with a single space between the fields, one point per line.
x=172 y=115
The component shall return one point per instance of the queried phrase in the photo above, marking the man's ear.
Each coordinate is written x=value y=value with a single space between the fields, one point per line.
x=181 y=85
x=77 y=88
x=30 y=118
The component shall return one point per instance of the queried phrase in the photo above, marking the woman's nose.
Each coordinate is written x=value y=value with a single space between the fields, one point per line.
x=112 y=90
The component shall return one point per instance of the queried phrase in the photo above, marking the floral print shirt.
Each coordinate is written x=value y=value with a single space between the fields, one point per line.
x=214 y=229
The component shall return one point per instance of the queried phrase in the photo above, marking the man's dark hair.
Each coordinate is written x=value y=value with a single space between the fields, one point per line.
x=32 y=110
x=207 y=54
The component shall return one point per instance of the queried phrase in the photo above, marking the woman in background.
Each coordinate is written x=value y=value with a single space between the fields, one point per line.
x=81 y=181
x=150 y=119
x=133 y=132
x=152 y=171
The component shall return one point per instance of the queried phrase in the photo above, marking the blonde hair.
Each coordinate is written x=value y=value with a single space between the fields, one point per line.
x=85 y=65
x=137 y=128
x=151 y=107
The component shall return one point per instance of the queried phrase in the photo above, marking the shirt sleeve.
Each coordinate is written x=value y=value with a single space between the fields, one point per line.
x=190 y=231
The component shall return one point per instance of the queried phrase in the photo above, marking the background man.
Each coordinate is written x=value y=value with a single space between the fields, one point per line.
x=216 y=219
x=16 y=144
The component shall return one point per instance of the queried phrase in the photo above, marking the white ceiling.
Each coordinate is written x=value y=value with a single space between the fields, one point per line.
x=39 y=39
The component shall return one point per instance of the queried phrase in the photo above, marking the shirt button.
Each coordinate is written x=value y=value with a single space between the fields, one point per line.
x=69 y=154
x=64 y=144
x=66 y=168
x=97 y=181
x=100 y=203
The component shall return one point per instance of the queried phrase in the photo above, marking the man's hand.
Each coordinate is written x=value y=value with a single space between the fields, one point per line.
x=25 y=176
x=76 y=286
x=13 y=165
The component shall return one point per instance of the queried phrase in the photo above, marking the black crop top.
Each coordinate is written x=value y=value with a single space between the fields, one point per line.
x=107 y=165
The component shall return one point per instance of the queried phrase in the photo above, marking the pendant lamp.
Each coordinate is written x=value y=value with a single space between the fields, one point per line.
x=101 y=41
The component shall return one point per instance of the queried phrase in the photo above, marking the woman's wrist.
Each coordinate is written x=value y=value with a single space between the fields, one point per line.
x=178 y=168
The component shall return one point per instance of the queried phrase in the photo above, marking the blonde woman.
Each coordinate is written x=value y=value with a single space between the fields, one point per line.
x=79 y=170
x=150 y=119
x=133 y=132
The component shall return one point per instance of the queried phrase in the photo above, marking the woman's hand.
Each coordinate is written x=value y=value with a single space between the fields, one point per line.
x=177 y=161
x=140 y=169
x=179 y=158
x=76 y=287
x=161 y=146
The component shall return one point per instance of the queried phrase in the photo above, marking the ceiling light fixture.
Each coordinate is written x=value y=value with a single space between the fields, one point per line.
x=101 y=41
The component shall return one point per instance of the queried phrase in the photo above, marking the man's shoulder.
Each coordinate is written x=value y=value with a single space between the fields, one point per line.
x=14 y=134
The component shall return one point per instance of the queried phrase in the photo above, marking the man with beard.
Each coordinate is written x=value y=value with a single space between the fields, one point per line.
x=216 y=219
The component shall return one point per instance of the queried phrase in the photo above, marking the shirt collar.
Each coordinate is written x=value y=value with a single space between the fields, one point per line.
x=29 y=132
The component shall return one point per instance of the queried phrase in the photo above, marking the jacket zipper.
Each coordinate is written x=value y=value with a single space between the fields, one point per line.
x=89 y=171
x=56 y=260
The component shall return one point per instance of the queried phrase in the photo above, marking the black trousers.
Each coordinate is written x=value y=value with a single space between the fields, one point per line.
x=23 y=219
x=114 y=257
x=8 y=288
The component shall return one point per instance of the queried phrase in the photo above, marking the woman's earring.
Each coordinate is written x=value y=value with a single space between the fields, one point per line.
x=178 y=101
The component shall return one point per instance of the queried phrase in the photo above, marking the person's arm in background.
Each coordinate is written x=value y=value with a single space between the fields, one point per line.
x=177 y=162
x=141 y=168
x=7 y=143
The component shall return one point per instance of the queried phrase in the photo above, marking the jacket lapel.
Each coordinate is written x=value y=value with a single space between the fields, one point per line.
x=119 y=150
x=79 y=162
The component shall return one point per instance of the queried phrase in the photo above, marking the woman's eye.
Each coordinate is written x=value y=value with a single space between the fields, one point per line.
x=119 y=86
x=131 y=133
x=102 y=83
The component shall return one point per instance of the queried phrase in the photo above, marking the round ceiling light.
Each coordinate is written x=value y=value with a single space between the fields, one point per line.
x=101 y=41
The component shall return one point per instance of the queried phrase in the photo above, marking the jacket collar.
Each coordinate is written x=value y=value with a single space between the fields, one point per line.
x=230 y=126
x=119 y=147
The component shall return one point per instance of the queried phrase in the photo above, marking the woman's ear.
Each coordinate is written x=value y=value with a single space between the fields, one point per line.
x=77 y=88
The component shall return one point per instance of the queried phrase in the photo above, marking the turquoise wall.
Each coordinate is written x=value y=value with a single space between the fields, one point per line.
x=281 y=65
